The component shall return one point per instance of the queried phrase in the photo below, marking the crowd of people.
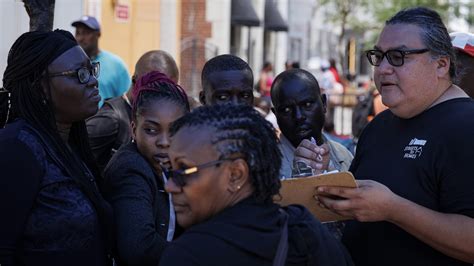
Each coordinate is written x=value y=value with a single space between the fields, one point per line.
x=141 y=176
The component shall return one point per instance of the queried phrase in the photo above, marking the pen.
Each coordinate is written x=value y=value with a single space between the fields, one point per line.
x=319 y=157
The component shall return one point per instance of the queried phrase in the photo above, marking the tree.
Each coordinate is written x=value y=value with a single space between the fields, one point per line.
x=340 y=14
x=41 y=13
x=367 y=17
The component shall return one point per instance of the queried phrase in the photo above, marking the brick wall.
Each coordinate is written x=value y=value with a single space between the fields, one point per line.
x=194 y=31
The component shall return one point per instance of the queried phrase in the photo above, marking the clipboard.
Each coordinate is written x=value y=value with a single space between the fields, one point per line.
x=302 y=190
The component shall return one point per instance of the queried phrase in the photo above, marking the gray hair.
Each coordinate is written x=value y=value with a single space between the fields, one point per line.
x=434 y=33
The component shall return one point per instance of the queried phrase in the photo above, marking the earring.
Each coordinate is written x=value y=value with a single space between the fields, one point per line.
x=238 y=187
x=133 y=140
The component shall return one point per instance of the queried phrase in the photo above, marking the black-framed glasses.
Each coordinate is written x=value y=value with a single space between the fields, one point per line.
x=394 y=57
x=83 y=74
x=179 y=176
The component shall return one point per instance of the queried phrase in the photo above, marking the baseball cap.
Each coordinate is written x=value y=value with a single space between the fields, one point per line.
x=88 y=21
x=463 y=41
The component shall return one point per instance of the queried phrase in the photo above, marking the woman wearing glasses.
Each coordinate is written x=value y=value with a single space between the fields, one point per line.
x=134 y=176
x=52 y=212
x=226 y=171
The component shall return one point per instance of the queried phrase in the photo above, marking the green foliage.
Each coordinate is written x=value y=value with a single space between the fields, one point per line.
x=383 y=10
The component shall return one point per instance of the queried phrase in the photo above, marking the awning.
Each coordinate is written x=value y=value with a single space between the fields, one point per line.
x=273 y=19
x=243 y=14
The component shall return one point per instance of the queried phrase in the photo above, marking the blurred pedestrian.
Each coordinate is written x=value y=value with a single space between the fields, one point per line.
x=266 y=79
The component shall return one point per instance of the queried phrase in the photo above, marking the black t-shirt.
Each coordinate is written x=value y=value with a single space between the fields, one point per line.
x=428 y=160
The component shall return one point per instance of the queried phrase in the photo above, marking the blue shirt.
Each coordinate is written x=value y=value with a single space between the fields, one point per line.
x=114 y=79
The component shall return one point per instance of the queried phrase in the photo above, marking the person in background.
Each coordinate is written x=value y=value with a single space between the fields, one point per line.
x=114 y=79
x=110 y=129
x=264 y=106
x=52 y=211
x=414 y=203
x=134 y=178
x=463 y=43
x=225 y=163
x=295 y=64
x=332 y=88
x=299 y=107
x=266 y=79
x=226 y=79
x=334 y=71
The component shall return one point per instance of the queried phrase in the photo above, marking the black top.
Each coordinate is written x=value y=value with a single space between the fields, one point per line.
x=109 y=129
x=46 y=219
x=427 y=160
x=248 y=234
x=141 y=207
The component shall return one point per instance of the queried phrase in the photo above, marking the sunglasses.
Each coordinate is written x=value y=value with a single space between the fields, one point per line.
x=394 y=57
x=180 y=176
x=83 y=74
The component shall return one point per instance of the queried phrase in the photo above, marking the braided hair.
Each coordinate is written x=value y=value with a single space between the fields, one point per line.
x=155 y=86
x=23 y=97
x=239 y=131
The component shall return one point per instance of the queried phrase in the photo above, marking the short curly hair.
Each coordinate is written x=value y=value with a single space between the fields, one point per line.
x=240 y=131
x=225 y=62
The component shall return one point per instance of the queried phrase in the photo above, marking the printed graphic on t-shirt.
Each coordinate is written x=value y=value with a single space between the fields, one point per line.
x=414 y=149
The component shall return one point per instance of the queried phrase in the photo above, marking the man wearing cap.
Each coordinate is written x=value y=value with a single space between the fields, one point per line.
x=114 y=78
x=463 y=42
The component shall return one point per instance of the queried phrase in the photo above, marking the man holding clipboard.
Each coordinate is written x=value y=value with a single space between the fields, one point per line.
x=417 y=206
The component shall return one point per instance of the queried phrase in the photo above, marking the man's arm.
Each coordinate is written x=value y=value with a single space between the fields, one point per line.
x=372 y=201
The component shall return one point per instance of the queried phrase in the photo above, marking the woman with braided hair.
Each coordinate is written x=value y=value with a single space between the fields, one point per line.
x=134 y=180
x=225 y=163
x=52 y=212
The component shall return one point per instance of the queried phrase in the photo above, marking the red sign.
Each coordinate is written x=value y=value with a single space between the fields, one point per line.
x=122 y=13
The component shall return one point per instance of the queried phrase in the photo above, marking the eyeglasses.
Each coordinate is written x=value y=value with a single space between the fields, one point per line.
x=83 y=74
x=394 y=57
x=179 y=176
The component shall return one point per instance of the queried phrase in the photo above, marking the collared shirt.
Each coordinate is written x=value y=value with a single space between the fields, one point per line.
x=339 y=157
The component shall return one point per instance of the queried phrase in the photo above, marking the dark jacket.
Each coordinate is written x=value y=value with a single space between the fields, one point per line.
x=248 y=233
x=141 y=207
x=109 y=129
x=46 y=217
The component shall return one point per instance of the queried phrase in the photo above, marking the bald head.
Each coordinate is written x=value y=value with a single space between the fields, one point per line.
x=157 y=60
